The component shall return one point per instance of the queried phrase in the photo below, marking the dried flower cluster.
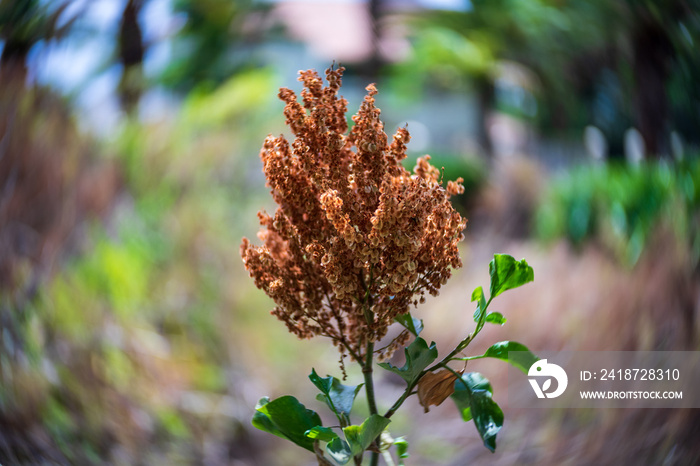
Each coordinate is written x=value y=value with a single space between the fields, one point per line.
x=356 y=239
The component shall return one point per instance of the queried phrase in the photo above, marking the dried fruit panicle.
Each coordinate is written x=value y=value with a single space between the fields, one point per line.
x=356 y=239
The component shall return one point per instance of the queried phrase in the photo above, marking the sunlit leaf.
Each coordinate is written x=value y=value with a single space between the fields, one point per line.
x=507 y=273
x=496 y=318
x=478 y=296
x=324 y=434
x=512 y=352
x=401 y=449
x=360 y=437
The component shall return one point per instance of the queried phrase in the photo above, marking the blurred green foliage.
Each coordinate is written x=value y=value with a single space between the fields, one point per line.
x=210 y=47
x=454 y=49
x=622 y=207
x=441 y=58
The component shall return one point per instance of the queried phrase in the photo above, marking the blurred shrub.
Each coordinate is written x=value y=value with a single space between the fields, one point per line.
x=118 y=337
x=621 y=207
x=51 y=186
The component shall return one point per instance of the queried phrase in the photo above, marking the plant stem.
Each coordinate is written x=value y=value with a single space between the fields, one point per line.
x=367 y=366
x=369 y=383
x=369 y=388
x=400 y=401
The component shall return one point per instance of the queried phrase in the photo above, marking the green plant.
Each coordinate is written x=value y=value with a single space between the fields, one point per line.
x=355 y=242
x=621 y=207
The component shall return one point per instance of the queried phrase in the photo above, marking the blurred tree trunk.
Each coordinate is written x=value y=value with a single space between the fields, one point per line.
x=13 y=61
x=652 y=57
x=486 y=97
x=131 y=51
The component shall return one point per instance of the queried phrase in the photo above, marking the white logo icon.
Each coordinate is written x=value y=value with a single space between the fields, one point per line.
x=544 y=369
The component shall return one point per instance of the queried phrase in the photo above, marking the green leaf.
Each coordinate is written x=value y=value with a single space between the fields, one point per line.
x=507 y=273
x=412 y=324
x=263 y=422
x=362 y=436
x=324 y=434
x=357 y=438
x=512 y=352
x=478 y=296
x=339 y=450
x=337 y=396
x=472 y=396
x=401 y=449
x=495 y=318
x=418 y=356
x=286 y=418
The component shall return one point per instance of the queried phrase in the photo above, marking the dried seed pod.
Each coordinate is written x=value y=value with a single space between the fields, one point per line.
x=435 y=387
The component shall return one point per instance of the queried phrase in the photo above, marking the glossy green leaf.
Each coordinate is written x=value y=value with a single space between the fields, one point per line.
x=496 y=318
x=262 y=421
x=286 y=418
x=324 y=434
x=478 y=296
x=418 y=356
x=337 y=396
x=413 y=325
x=507 y=273
x=472 y=396
x=362 y=436
x=512 y=352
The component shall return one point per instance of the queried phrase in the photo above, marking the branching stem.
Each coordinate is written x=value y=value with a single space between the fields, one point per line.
x=443 y=362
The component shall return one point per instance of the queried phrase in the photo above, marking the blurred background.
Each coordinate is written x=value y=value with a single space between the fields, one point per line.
x=130 y=333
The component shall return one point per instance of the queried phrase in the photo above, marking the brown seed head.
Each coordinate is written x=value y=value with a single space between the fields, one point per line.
x=356 y=238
